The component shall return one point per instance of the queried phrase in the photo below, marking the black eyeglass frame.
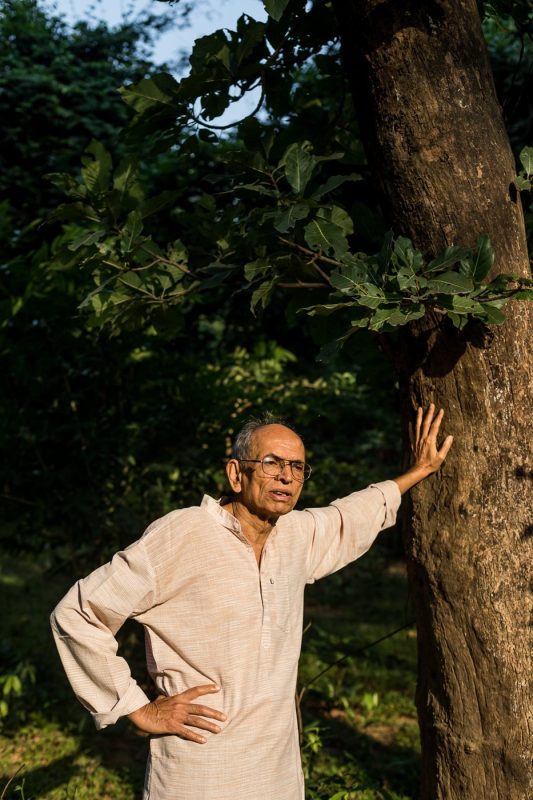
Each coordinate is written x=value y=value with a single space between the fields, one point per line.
x=307 y=469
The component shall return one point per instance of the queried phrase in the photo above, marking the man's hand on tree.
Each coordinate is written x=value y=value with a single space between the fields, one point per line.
x=178 y=714
x=428 y=457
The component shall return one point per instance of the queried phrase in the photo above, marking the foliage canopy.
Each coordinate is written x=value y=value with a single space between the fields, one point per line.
x=278 y=209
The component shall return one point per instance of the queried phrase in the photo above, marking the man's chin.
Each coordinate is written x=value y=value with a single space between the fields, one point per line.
x=278 y=507
x=271 y=512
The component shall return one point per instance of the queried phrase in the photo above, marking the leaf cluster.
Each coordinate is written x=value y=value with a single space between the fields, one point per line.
x=397 y=285
x=524 y=179
x=286 y=212
x=286 y=228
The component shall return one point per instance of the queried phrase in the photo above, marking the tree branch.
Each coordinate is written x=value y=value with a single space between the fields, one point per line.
x=313 y=254
x=303 y=285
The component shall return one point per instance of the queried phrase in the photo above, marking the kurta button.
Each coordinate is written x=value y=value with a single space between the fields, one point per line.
x=271 y=580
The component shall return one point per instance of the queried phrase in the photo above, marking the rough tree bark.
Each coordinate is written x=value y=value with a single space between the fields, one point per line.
x=435 y=137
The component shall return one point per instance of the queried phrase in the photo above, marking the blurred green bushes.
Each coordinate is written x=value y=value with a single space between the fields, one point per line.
x=103 y=433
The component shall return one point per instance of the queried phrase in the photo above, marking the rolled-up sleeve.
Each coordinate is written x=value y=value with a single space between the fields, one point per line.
x=84 y=625
x=344 y=530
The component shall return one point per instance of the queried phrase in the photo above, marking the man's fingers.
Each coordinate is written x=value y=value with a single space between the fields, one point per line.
x=427 y=420
x=204 y=711
x=198 y=691
x=444 y=450
x=187 y=733
x=418 y=426
x=435 y=425
x=200 y=722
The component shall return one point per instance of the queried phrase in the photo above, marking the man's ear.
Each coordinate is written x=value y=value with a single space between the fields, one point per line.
x=234 y=474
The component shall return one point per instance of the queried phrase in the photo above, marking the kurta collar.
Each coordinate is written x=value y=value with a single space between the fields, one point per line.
x=226 y=519
x=223 y=517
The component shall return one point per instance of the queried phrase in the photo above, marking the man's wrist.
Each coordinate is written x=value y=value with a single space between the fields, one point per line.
x=413 y=476
x=139 y=713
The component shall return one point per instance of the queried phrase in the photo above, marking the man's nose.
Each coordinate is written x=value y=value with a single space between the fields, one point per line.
x=285 y=472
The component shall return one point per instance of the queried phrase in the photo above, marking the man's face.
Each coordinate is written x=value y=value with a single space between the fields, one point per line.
x=263 y=495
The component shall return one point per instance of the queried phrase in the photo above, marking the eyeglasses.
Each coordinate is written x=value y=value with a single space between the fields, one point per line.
x=273 y=466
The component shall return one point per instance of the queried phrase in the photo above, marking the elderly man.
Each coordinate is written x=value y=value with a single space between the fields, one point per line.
x=219 y=589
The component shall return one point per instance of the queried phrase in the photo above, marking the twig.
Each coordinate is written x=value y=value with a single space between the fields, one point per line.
x=303 y=285
x=10 y=781
x=346 y=656
x=164 y=260
x=311 y=253
x=211 y=127
x=22 y=500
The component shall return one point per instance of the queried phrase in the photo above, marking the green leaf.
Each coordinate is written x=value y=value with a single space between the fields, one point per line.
x=125 y=182
x=458 y=320
x=96 y=171
x=206 y=135
x=333 y=183
x=338 y=216
x=275 y=8
x=149 y=251
x=255 y=268
x=251 y=45
x=213 y=105
x=330 y=350
x=465 y=305
x=206 y=50
x=299 y=165
x=404 y=255
x=447 y=259
x=216 y=279
x=370 y=295
x=131 y=231
x=323 y=235
x=155 y=204
x=526 y=159
x=385 y=316
x=151 y=93
x=67 y=184
x=134 y=281
x=347 y=279
x=286 y=218
x=86 y=240
x=451 y=283
x=263 y=293
x=406 y=278
x=395 y=316
x=178 y=252
x=524 y=184
x=495 y=316
x=73 y=212
x=483 y=259
x=257 y=187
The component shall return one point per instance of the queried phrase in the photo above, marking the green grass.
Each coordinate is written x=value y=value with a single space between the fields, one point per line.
x=360 y=734
x=363 y=741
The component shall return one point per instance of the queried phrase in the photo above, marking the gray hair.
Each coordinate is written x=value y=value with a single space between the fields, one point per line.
x=242 y=446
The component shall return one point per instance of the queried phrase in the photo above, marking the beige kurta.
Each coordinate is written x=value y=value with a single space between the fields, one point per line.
x=212 y=615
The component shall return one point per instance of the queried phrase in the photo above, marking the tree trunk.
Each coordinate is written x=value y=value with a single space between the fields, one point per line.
x=436 y=141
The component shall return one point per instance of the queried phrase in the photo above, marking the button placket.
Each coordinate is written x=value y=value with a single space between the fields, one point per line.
x=266 y=632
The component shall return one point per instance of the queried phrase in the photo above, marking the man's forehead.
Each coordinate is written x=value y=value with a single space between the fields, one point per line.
x=278 y=439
